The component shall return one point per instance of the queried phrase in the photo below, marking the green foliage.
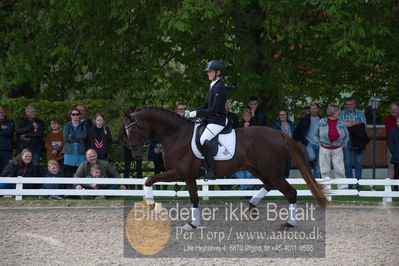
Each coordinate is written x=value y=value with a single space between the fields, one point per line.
x=154 y=52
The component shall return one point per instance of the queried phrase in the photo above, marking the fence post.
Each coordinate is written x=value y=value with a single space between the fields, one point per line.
x=205 y=188
x=18 y=188
x=387 y=189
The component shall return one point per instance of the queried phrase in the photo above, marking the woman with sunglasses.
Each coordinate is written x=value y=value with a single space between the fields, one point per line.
x=75 y=135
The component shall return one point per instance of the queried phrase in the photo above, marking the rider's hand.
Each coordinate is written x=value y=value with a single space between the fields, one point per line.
x=192 y=114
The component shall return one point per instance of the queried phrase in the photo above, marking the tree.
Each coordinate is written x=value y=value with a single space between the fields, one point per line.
x=154 y=52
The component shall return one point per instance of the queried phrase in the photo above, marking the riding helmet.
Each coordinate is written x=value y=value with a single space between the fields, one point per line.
x=215 y=65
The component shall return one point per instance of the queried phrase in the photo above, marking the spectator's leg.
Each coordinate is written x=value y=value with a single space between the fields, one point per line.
x=316 y=163
x=358 y=167
x=396 y=175
x=35 y=158
x=5 y=157
x=390 y=166
x=128 y=161
x=287 y=167
x=348 y=162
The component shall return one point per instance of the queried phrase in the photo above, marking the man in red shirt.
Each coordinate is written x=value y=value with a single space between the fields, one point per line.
x=390 y=122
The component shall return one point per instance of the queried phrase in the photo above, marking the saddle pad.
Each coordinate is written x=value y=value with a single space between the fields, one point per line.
x=226 y=149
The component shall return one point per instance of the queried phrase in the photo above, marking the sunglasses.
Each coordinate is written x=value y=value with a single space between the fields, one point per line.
x=75 y=114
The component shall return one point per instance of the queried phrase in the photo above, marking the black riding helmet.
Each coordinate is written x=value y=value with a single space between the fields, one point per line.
x=215 y=65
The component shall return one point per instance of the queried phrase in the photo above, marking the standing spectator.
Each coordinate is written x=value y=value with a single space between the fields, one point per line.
x=53 y=171
x=82 y=110
x=180 y=109
x=393 y=141
x=155 y=155
x=258 y=117
x=354 y=120
x=304 y=133
x=128 y=156
x=6 y=134
x=390 y=123
x=107 y=170
x=54 y=143
x=29 y=132
x=233 y=118
x=332 y=136
x=100 y=137
x=287 y=126
x=75 y=135
x=246 y=122
x=23 y=166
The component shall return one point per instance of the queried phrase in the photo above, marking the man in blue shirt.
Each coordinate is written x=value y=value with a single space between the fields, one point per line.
x=352 y=117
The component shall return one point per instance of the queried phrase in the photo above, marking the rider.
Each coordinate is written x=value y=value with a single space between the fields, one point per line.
x=214 y=111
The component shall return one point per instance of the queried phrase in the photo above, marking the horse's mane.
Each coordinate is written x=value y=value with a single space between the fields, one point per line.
x=164 y=111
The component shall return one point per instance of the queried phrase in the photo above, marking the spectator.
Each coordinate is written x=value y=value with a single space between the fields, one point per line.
x=155 y=155
x=107 y=171
x=29 y=132
x=304 y=133
x=355 y=122
x=232 y=117
x=53 y=171
x=246 y=122
x=128 y=156
x=332 y=136
x=23 y=166
x=6 y=135
x=54 y=143
x=82 y=110
x=75 y=135
x=100 y=137
x=258 y=117
x=394 y=149
x=180 y=109
x=95 y=172
x=390 y=123
x=287 y=126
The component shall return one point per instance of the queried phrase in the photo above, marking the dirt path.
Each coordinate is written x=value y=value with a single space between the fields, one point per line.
x=93 y=235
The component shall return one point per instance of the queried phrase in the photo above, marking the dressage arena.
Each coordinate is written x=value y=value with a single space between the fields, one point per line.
x=92 y=234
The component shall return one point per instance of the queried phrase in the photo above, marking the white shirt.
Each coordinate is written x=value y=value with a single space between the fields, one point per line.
x=213 y=82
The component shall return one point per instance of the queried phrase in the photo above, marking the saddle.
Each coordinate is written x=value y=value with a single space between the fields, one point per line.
x=215 y=141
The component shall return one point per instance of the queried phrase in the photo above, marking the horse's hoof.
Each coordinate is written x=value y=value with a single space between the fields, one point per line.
x=286 y=226
x=189 y=227
x=150 y=203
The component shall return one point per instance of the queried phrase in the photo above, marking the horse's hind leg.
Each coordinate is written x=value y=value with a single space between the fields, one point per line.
x=195 y=211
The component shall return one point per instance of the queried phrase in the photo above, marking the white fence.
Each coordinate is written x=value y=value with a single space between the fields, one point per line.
x=387 y=194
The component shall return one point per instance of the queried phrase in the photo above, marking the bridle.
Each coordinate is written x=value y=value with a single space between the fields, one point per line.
x=140 y=130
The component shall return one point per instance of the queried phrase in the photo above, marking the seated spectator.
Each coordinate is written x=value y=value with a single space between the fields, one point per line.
x=100 y=137
x=287 y=126
x=21 y=166
x=95 y=172
x=107 y=171
x=180 y=109
x=246 y=122
x=53 y=170
x=6 y=134
x=54 y=143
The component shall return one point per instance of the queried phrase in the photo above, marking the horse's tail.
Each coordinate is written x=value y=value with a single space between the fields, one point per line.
x=299 y=159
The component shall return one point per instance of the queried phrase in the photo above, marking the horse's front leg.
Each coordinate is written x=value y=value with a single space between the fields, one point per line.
x=168 y=176
x=195 y=211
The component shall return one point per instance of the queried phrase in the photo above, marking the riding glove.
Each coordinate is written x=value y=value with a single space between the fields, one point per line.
x=192 y=114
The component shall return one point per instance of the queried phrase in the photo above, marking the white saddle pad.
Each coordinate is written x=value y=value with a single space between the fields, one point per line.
x=226 y=149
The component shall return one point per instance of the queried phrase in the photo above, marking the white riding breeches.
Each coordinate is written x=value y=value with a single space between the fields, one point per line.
x=210 y=132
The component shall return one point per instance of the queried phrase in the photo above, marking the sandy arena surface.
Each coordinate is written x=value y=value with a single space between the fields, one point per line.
x=93 y=235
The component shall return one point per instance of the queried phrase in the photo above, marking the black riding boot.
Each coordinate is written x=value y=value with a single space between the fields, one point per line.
x=210 y=162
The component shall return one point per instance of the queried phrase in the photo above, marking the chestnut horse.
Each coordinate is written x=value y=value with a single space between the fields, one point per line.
x=260 y=150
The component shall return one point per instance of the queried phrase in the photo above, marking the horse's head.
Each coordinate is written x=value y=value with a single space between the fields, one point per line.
x=137 y=136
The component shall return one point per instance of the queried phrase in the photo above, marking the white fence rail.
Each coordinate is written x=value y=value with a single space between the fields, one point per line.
x=387 y=194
